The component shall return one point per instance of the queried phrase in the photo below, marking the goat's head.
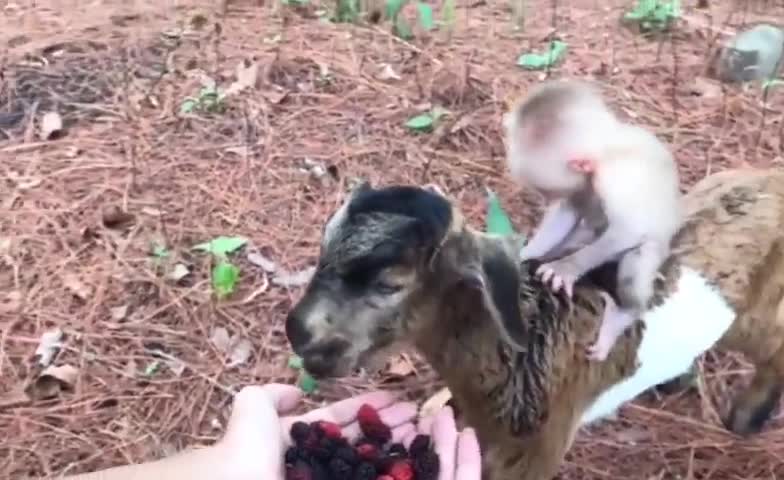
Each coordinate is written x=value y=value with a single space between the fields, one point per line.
x=384 y=254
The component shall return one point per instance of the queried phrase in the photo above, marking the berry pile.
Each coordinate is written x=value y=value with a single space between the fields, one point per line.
x=321 y=453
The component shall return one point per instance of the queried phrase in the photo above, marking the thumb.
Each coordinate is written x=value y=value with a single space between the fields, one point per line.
x=255 y=411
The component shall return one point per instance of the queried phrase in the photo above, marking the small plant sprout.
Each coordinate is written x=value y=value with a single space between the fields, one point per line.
x=426 y=121
x=225 y=275
x=537 y=61
x=654 y=15
x=497 y=221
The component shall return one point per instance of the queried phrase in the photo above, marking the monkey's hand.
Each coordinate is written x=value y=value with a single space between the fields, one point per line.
x=560 y=274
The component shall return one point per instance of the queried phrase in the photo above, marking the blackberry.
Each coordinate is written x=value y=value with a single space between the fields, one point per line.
x=365 y=471
x=397 y=450
x=299 y=471
x=383 y=464
x=319 y=471
x=420 y=444
x=340 y=469
x=347 y=454
x=324 y=450
x=427 y=465
x=300 y=431
x=293 y=454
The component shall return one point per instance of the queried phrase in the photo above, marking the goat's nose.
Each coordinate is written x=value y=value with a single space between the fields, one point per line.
x=296 y=332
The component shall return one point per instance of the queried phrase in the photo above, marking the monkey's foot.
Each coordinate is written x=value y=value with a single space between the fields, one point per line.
x=558 y=275
x=614 y=321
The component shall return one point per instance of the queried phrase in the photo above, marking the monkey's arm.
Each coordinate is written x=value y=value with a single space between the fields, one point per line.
x=558 y=222
x=580 y=236
x=608 y=246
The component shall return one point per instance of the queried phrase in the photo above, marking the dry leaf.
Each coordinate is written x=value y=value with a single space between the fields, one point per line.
x=400 y=366
x=435 y=403
x=706 y=88
x=175 y=365
x=293 y=279
x=387 y=73
x=220 y=338
x=247 y=76
x=119 y=313
x=28 y=183
x=52 y=381
x=76 y=286
x=242 y=151
x=51 y=124
x=153 y=212
x=11 y=302
x=48 y=346
x=113 y=216
x=275 y=96
x=240 y=352
x=262 y=262
x=179 y=272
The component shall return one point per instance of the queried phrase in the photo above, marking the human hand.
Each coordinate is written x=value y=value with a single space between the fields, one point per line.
x=256 y=436
x=458 y=452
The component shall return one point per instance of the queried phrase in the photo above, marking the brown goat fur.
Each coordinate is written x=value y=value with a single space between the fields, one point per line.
x=399 y=266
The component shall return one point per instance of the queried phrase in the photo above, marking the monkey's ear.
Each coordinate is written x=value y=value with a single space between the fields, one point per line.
x=496 y=283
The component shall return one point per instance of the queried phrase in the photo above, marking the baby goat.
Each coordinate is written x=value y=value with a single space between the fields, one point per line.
x=399 y=265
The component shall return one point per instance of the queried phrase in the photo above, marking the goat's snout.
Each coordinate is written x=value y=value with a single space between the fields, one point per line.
x=297 y=332
x=326 y=358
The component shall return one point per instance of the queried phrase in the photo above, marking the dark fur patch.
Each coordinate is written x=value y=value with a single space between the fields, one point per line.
x=504 y=287
x=432 y=212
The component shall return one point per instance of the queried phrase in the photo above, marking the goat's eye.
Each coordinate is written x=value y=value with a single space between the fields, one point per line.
x=384 y=288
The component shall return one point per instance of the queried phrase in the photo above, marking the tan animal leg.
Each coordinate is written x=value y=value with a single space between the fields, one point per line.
x=754 y=406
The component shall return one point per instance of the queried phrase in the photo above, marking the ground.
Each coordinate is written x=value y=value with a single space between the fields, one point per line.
x=95 y=219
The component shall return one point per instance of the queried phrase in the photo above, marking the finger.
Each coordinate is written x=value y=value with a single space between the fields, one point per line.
x=345 y=411
x=255 y=408
x=401 y=433
x=393 y=416
x=426 y=424
x=285 y=397
x=569 y=288
x=445 y=442
x=410 y=437
x=469 y=459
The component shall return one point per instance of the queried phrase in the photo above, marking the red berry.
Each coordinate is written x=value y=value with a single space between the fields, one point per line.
x=371 y=425
x=384 y=477
x=367 y=451
x=401 y=471
x=331 y=430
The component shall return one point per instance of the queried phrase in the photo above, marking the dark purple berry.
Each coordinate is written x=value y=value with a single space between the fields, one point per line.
x=365 y=471
x=397 y=450
x=300 y=431
x=427 y=465
x=340 y=469
x=421 y=443
x=347 y=454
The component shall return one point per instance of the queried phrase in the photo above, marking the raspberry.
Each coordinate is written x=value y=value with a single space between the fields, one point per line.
x=300 y=431
x=401 y=470
x=340 y=469
x=371 y=425
x=299 y=471
x=420 y=444
x=328 y=429
x=427 y=465
x=365 y=471
x=397 y=450
x=367 y=451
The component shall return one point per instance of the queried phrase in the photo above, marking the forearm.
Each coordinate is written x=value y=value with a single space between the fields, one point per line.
x=608 y=246
x=203 y=463
x=558 y=222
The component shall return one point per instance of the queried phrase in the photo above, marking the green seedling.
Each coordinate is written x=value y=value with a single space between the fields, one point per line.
x=224 y=279
x=209 y=100
x=426 y=121
x=306 y=382
x=222 y=246
x=654 y=14
x=538 y=61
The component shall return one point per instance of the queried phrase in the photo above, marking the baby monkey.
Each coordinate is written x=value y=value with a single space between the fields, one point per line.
x=612 y=191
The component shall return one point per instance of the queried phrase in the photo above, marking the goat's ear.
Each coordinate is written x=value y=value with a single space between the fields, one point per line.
x=497 y=281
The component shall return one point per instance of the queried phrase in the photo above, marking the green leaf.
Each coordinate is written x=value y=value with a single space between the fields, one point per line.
x=151 y=368
x=425 y=15
x=224 y=278
x=773 y=82
x=221 y=246
x=188 y=105
x=497 y=220
x=159 y=251
x=295 y=362
x=402 y=29
x=393 y=8
x=421 y=122
x=535 y=61
x=307 y=383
